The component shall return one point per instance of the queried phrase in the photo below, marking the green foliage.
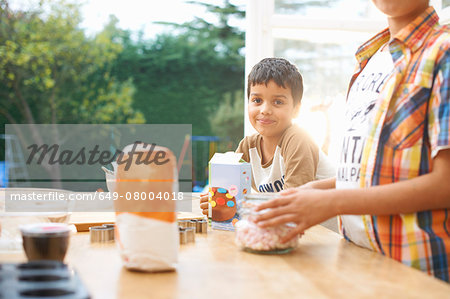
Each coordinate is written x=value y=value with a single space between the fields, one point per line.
x=228 y=40
x=228 y=121
x=183 y=77
x=294 y=6
x=50 y=72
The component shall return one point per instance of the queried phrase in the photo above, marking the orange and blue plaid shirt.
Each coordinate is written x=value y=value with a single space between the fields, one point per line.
x=410 y=125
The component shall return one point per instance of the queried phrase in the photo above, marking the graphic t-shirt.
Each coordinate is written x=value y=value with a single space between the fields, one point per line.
x=360 y=108
x=296 y=161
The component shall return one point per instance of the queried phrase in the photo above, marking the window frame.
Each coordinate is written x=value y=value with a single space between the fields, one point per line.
x=261 y=22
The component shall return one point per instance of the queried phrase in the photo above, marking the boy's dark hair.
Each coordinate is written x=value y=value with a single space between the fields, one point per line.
x=282 y=72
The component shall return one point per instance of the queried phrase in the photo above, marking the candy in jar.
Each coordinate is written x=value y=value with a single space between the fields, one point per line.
x=251 y=237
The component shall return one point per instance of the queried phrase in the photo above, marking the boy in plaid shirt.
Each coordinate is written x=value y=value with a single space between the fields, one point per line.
x=392 y=188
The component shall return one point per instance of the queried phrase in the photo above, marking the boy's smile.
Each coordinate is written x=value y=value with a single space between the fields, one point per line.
x=265 y=121
x=271 y=109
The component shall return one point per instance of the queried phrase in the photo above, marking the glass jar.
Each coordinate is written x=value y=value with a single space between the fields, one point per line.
x=252 y=238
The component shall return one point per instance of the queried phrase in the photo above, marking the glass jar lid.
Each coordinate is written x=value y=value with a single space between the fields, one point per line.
x=250 y=202
x=260 y=196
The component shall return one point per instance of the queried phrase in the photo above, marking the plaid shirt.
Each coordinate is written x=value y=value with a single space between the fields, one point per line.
x=398 y=148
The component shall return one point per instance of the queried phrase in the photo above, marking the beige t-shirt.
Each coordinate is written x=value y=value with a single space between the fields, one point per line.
x=294 y=163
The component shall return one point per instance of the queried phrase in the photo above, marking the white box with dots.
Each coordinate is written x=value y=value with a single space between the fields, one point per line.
x=230 y=178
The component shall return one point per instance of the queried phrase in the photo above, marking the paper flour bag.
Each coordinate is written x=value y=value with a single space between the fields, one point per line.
x=146 y=226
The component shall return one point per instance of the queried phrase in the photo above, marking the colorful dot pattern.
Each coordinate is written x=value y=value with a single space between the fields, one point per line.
x=220 y=201
x=224 y=199
x=233 y=190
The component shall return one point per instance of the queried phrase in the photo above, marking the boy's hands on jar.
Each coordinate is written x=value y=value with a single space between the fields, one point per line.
x=204 y=205
x=303 y=206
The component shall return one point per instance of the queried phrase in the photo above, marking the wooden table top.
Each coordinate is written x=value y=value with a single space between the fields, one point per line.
x=323 y=266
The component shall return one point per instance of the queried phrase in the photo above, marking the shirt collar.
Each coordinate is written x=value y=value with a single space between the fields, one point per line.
x=412 y=36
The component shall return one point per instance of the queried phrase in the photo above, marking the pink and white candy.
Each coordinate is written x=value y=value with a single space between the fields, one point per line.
x=249 y=235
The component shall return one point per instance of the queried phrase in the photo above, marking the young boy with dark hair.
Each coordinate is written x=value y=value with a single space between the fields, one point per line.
x=397 y=142
x=281 y=154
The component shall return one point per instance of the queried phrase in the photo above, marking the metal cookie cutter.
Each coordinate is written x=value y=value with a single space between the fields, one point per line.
x=193 y=224
x=187 y=235
x=102 y=234
x=183 y=235
x=190 y=234
x=202 y=226
x=183 y=223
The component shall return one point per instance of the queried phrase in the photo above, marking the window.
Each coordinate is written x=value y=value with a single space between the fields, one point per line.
x=320 y=37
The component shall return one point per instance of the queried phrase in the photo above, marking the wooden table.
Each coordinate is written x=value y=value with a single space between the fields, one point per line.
x=323 y=266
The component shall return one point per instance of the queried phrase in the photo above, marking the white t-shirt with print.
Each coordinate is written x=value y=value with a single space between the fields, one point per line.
x=296 y=161
x=361 y=101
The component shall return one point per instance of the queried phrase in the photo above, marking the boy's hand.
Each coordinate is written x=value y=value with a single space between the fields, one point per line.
x=204 y=205
x=304 y=206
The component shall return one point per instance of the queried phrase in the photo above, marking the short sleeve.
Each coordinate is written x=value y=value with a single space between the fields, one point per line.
x=300 y=155
x=243 y=148
x=439 y=110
